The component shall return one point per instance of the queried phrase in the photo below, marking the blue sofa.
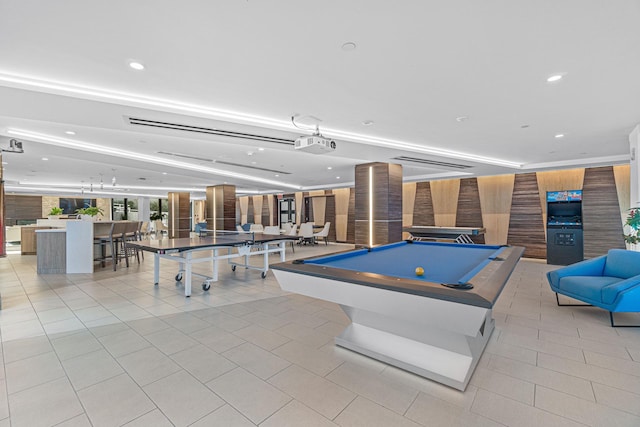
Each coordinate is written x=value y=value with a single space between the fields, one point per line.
x=611 y=282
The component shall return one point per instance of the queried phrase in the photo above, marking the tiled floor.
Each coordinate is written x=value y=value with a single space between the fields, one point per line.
x=110 y=349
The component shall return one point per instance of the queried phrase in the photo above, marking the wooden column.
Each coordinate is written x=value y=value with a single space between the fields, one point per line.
x=179 y=215
x=378 y=203
x=221 y=207
x=600 y=212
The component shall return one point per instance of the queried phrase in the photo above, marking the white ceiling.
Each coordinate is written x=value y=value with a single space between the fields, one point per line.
x=248 y=66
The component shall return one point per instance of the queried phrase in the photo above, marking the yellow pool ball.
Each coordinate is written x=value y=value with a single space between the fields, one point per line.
x=419 y=271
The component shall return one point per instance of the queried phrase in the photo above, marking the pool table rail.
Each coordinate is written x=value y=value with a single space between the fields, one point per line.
x=487 y=283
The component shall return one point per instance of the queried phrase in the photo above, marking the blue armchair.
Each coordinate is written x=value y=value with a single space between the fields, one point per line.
x=611 y=282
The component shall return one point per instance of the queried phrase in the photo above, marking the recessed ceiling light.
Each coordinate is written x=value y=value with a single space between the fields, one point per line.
x=249 y=153
x=260 y=149
x=164 y=173
x=337 y=177
x=45 y=158
x=348 y=46
x=136 y=65
x=461 y=118
x=277 y=176
x=329 y=167
x=70 y=132
x=555 y=78
x=367 y=122
x=559 y=135
x=253 y=163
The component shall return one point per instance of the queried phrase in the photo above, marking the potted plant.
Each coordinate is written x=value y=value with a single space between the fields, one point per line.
x=55 y=212
x=89 y=213
x=155 y=216
x=633 y=225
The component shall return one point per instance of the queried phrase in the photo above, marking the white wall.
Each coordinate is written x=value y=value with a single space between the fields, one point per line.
x=634 y=176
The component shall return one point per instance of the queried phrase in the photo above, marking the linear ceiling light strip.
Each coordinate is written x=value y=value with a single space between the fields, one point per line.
x=99 y=94
x=85 y=146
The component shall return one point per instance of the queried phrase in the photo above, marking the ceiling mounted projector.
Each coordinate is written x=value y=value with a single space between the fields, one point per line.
x=15 y=146
x=315 y=144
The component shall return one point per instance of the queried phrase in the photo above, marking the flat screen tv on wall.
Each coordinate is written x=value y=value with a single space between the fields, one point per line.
x=71 y=205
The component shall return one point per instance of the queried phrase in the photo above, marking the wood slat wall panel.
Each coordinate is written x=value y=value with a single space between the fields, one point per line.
x=600 y=212
x=469 y=213
x=525 y=222
x=495 y=200
x=257 y=210
x=423 y=209
x=242 y=209
x=250 y=210
x=22 y=208
x=266 y=210
x=341 y=196
x=445 y=201
x=318 y=203
x=299 y=206
x=351 y=223
x=330 y=216
x=408 y=203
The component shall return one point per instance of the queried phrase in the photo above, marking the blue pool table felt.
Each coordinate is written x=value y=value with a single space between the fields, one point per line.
x=442 y=262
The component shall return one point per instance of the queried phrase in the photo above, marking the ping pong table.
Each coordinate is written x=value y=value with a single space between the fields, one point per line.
x=221 y=245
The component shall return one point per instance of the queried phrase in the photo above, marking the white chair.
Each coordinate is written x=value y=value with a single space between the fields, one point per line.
x=240 y=229
x=272 y=229
x=306 y=233
x=145 y=230
x=293 y=232
x=324 y=233
x=160 y=228
x=256 y=228
x=286 y=227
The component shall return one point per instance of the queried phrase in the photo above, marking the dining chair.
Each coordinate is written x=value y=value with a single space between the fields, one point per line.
x=293 y=232
x=256 y=228
x=306 y=233
x=272 y=229
x=324 y=234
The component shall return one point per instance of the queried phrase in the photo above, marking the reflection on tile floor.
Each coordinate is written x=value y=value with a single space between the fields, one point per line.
x=110 y=349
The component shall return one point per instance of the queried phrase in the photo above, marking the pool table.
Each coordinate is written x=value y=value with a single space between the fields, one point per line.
x=435 y=325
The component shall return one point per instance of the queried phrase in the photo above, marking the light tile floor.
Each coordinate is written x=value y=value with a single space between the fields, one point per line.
x=110 y=349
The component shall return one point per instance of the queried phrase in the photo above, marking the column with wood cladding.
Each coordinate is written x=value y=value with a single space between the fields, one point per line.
x=221 y=207
x=179 y=215
x=423 y=209
x=600 y=212
x=378 y=203
x=525 y=220
x=469 y=213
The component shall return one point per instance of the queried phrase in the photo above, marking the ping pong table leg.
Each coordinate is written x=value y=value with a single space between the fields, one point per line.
x=215 y=265
x=283 y=248
x=156 y=269
x=187 y=273
x=265 y=257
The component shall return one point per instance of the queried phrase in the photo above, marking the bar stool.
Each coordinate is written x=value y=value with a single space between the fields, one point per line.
x=102 y=240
